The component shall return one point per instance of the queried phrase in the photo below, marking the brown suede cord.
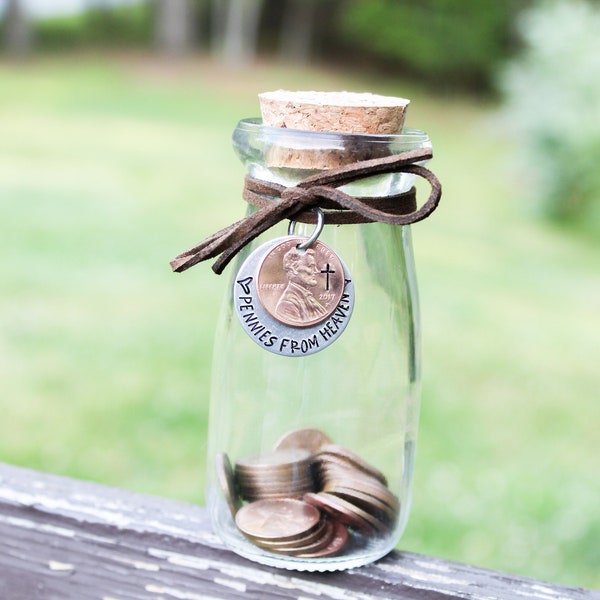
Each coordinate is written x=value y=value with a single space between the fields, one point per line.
x=276 y=202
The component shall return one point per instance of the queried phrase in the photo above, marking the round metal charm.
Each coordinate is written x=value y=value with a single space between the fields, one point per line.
x=290 y=301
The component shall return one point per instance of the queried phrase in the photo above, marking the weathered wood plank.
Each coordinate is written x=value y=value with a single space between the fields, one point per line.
x=65 y=539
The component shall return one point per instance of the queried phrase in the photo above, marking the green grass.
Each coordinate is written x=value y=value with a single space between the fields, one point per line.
x=111 y=166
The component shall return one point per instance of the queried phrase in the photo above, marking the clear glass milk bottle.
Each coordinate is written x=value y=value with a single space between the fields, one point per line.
x=312 y=440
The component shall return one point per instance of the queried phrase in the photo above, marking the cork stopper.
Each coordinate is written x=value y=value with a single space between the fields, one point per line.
x=343 y=112
x=330 y=112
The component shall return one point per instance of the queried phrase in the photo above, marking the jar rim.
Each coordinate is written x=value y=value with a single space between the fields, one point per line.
x=254 y=126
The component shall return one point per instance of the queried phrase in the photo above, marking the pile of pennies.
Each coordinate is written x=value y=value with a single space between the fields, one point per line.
x=305 y=496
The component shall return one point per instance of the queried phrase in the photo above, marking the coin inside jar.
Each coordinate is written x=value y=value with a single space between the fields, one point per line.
x=307 y=438
x=332 y=478
x=298 y=287
x=348 y=456
x=346 y=512
x=227 y=482
x=278 y=474
x=307 y=469
x=315 y=540
x=274 y=461
x=335 y=546
x=371 y=504
x=282 y=520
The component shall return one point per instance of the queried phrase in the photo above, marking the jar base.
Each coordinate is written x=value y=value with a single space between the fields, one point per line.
x=315 y=565
x=358 y=551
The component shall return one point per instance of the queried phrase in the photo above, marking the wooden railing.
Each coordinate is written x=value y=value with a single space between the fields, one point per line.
x=62 y=539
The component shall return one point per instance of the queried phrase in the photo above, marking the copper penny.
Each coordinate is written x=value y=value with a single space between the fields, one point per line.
x=307 y=438
x=283 y=520
x=261 y=483
x=300 y=288
x=260 y=495
x=374 y=506
x=345 y=512
x=365 y=485
x=275 y=485
x=274 y=462
x=311 y=317
x=294 y=472
x=337 y=543
x=354 y=459
x=227 y=482
x=316 y=540
x=328 y=466
x=322 y=542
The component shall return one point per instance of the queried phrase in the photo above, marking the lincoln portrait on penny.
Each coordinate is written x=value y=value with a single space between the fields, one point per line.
x=298 y=305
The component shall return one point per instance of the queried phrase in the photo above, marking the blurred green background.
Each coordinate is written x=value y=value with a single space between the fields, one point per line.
x=115 y=124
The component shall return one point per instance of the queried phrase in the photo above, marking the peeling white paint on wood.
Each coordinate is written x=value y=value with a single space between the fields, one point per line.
x=234 y=585
x=29 y=524
x=433 y=566
x=17 y=522
x=55 y=565
x=288 y=581
x=251 y=573
x=205 y=536
x=421 y=576
x=138 y=564
x=179 y=594
x=76 y=541
x=533 y=593
x=97 y=539
x=182 y=560
x=43 y=502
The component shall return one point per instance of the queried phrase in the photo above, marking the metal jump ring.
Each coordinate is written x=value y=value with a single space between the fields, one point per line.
x=315 y=234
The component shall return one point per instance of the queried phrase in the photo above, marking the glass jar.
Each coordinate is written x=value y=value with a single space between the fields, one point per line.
x=341 y=421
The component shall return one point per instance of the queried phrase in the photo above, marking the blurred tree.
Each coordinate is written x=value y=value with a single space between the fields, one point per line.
x=456 y=42
x=17 y=31
x=174 y=26
x=218 y=16
x=552 y=93
x=297 y=29
x=236 y=29
x=107 y=24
